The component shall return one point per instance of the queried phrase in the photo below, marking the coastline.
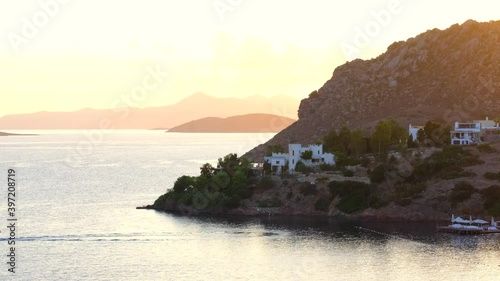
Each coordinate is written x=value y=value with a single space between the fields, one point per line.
x=3 y=134
x=279 y=212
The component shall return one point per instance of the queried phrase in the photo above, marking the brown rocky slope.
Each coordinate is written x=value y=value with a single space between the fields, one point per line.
x=451 y=75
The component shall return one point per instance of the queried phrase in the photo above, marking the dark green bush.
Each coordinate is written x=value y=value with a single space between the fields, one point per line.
x=377 y=203
x=308 y=189
x=446 y=164
x=322 y=204
x=491 y=197
x=492 y=176
x=348 y=173
x=232 y=202
x=326 y=167
x=302 y=168
x=265 y=183
x=404 y=202
x=354 y=196
x=322 y=179
x=378 y=174
x=485 y=148
x=365 y=161
x=269 y=203
x=408 y=190
x=462 y=191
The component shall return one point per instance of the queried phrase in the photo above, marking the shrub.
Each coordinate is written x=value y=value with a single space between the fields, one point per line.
x=322 y=204
x=302 y=168
x=289 y=195
x=354 y=196
x=322 y=179
x=308 y=189
x=265 y=183
x=462 y=191
x=408 y=190
x=455 y=172
x=378 y=174
x=491 y=197
x=232 y=202
x=365 y=161
x=492 y=176
x=377 y=203
x=348 y=173
x=326 y=167
x=269 y=203
x=446 y=164
x=404 y=202
x=485 y=148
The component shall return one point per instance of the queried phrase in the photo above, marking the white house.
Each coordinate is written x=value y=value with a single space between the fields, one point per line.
x=279 y=160
x=466 y=133
x=488 y=127
x=413 y=131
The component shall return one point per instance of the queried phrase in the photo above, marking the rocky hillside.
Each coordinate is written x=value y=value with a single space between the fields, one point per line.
x=451 y=74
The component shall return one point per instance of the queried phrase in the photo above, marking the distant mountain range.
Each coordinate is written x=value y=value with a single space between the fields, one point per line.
x=191 y=108
x=265 y=123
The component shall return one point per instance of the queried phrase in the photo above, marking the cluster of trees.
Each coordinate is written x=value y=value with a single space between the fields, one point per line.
x=354 y=143
x=433 y=134
x=224 y=186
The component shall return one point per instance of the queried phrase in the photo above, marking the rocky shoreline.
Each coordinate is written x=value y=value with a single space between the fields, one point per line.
x=369 y=215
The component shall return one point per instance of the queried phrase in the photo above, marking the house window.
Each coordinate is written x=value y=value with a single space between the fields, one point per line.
x=318 y=151
x=293 y=152
x=293 y=161
x=277 y=162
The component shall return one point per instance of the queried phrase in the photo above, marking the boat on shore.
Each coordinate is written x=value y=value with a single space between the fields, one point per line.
x=470 y=227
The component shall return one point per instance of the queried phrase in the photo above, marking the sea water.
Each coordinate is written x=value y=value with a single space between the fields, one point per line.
x=76 y=194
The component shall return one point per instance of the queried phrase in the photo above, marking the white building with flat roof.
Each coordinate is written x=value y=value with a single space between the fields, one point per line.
x=466 y=133
x=279 y=160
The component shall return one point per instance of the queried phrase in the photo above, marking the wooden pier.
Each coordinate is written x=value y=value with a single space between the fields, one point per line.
x=465 y=231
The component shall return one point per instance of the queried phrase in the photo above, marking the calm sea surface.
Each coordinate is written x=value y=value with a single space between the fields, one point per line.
x=76 y=199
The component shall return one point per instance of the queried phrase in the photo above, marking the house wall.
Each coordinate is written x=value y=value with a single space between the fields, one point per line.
x=329 y=159
x=294 y=151
x=413 y=131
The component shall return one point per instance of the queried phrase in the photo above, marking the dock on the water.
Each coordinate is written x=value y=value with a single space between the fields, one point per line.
x=465 y=231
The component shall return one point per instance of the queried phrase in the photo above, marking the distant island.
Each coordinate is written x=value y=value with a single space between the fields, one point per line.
x=3 y=134
x=194 y=107
x=248 y=123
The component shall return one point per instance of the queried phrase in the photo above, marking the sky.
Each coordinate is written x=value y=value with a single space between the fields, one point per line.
x=65 y=55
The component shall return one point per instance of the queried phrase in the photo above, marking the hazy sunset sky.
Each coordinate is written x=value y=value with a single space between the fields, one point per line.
x=72 y=54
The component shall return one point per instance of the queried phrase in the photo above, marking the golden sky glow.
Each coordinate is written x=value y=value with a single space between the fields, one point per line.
x=60 y=55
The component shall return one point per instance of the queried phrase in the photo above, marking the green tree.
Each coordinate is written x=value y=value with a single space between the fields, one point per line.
x=398 y=133
x=421 y=136
x=184 y=183
x=344 y=140
x=229 y=163
x=306 y=155
x=381 y=137
x=357 y=143
x=430 y=128
x=207 y=170
x=331 y=141
x=411 y=142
